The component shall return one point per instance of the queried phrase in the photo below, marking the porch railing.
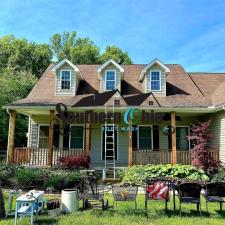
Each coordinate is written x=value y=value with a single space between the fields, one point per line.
x=163 y=156
x=34 y=156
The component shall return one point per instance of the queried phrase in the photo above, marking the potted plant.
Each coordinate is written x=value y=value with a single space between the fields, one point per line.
x=53 y=207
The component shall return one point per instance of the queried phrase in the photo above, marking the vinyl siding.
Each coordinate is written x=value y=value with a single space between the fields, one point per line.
x=33 y=134
x=217 y=129
x=146 y=82
x=96 y=148
x=102 y=77
x=74 y=81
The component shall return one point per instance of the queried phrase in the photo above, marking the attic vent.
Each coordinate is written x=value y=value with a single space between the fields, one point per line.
x=117 y=102
x=150 y=102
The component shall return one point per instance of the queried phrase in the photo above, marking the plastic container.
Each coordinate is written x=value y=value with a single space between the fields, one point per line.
x=70 y=202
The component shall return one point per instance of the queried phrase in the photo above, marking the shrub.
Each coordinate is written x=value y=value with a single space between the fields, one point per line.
x=54 y=181
x=74 y=162
x=25 y=177
x=219 y=176
x=138 y=174
x=7 y=171
x=201 y=155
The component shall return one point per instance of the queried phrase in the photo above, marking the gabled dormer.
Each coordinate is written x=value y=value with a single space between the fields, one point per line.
x=110 y=75
x=153 y=77
x=67 y=77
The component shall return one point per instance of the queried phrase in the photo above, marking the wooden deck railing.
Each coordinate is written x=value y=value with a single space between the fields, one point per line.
x=33 y=156
x=39 y=157
x=163 y=156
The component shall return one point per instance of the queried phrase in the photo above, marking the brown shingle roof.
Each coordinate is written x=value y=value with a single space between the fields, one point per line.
x=183 y=89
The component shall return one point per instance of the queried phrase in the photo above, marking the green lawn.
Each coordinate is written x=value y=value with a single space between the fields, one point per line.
x=126 y=215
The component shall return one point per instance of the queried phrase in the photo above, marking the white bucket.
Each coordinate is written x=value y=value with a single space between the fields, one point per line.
x=69 y=201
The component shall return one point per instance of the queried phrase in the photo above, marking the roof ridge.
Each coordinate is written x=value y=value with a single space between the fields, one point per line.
x=192 y=81
x=206 y=73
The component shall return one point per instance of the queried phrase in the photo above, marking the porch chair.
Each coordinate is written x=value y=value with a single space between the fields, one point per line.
x=215 y=192
x=124 y=192
x=157 y=190
x=190 y=193
x=92 y=193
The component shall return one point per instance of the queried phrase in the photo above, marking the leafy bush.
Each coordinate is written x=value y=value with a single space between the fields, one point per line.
x=201 y=156
x=54 y=181
x=138 y=174
x=25 y=177
x=220 y=175
x=74 y=162
x=7 y=171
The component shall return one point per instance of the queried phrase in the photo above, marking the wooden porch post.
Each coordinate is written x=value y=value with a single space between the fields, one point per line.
x=173 y=139
x=130 y=150
x=87 y=139
x=11 y=135
x=50 y=138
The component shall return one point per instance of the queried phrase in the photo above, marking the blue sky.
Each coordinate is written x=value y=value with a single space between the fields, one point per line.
x=191 y=33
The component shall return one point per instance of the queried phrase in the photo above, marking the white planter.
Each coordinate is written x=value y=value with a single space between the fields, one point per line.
x=70 y=202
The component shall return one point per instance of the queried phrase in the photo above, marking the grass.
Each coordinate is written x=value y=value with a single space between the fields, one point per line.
x=126 y=215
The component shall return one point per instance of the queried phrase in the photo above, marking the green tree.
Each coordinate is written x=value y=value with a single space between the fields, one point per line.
x=115 y=53
x=22 y=55
x=62 y=44
x=14 y=86
x=85 y=52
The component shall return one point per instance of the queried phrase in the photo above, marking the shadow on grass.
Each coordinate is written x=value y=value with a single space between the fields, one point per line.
x=47 y=221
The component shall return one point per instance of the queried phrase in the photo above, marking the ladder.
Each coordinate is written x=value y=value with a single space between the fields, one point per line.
x=110 y=157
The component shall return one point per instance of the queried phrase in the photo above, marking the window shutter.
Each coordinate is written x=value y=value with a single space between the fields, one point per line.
x=169 y=142
x=155 y=137
x=56 y=136
x=134 y=137
x=66 y=137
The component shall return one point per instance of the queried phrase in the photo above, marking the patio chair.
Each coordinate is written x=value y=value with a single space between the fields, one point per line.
x=123 y=193
x=215 y=192
x=190 y=193
x=157 y=190
x=92 y=194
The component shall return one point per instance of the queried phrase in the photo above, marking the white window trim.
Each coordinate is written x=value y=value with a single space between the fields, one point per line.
x=150 y=79
x=110 y=80
x=189 y=142
x=78 y=125
x=138 y=136
x=116 y=140
x=39 y=125
x=70 y=80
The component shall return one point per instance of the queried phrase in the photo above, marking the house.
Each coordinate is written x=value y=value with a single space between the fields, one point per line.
x=155 y=106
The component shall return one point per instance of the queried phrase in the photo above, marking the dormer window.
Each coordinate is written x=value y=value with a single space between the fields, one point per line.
x=110 y=80
x=65 y=79
x=155 y=80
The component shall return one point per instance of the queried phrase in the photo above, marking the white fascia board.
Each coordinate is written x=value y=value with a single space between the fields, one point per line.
x=155 y=61
x=62 y=62
x=121 y=69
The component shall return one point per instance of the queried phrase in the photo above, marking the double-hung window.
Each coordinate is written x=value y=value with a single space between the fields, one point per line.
x=144 y=137
x=182 y=141
x=65 y=79
x=77 y=137
x=155 y=80
x=110 y=80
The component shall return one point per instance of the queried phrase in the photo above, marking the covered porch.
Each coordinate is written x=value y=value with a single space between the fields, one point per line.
x=167 y=151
